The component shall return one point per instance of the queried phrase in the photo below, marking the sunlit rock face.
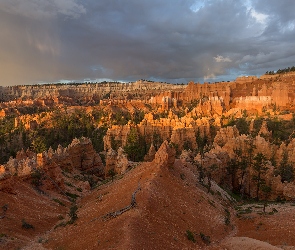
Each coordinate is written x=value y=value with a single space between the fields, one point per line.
x=165 y=156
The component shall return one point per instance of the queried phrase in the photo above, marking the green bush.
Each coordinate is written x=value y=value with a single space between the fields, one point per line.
x=36 y=176
x=227 y=217
x=73 y=196
x=59 y=202
x=190 y=236
x=73 y=213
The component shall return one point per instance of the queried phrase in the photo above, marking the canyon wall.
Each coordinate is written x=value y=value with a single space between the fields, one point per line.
x=49 y=93
x=247 y=93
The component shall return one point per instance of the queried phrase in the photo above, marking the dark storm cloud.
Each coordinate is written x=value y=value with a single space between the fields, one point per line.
x=174 y=41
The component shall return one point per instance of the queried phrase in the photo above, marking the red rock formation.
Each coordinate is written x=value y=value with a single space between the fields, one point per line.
x=225 y=134
x=226 y=142
x=79 y=155
x=122 y=162
x=2 y=172
x=280 y=94
x=184 y=137
x=150 y=156
x=253 y=102
x=116 y=161
x=165 y=156
x=186 y=156
x=2 y=113
x=117 y=134
x=111 y=161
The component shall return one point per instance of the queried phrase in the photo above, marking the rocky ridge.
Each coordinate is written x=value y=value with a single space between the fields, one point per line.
x=78 y=156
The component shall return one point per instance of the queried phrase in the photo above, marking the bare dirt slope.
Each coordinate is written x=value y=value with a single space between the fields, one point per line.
x=25 y=213
x=168 y=204
x=275 y=226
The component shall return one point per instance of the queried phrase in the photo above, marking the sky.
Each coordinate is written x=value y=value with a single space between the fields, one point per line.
x=174 y=41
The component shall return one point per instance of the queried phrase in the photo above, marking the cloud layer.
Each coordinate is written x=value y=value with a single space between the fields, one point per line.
x=173 y=41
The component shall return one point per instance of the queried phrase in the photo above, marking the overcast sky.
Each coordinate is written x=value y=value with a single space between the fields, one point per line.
x=126 y=40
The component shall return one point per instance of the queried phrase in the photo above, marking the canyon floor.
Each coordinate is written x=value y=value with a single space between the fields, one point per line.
x=172 y=211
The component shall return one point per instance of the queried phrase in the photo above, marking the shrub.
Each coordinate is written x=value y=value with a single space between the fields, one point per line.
x=227 y=217
x=73 y=196
x=73 y=213
x=182 y=176
x=69 y=184
x=26 y=225
x=59 y=202
x=112 y=173
x=243 y=126
x=190 y=236
x=36 y=176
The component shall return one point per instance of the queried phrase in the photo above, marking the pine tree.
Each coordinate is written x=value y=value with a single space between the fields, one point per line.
x=135 y=147
x=260 y=168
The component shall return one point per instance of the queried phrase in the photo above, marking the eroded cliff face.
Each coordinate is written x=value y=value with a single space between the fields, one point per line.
x=165 y=156
x=245 y=93
x=31 y=122
x=116 y=135
x=179 y=131
x=78 y=157
x=233 y=162
x=85 y=93
x=182 y=132
x=116 y=162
